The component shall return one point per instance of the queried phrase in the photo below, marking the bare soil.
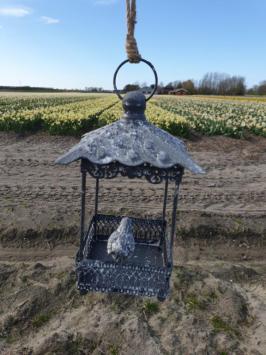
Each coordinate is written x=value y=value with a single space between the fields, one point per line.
x=217 y=304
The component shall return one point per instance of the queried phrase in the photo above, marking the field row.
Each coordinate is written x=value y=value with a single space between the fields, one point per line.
x=76 y=114
x=80 y=115
x=216 y=116
x=15 y=102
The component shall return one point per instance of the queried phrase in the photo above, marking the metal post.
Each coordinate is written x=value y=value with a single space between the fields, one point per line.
x=173 y=226
x=96 y=205
x=163 y=241
x=169 y=258
x=96 y=196
x=165 y=256
x=83 y=201
x=165 y=198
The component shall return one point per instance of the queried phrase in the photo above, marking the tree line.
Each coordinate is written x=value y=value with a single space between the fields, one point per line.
x=211 y=84
x=38 y=89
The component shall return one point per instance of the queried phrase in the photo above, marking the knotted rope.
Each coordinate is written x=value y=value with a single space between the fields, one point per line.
x=131 y=43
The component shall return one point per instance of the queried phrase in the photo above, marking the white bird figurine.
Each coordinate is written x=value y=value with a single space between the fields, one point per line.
x=121 y=243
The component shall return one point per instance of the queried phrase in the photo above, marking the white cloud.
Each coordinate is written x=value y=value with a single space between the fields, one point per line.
x=14 y=11
x=104 y=2
x=49 y=20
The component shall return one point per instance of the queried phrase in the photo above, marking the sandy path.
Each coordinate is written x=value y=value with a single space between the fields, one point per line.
x=235 y=179
x=37 y=254
x=39 y=197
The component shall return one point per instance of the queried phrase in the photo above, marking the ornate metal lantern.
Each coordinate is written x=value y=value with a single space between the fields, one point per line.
x=129 y=255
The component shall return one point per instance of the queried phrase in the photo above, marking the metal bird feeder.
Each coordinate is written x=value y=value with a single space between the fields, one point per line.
x=129 y=255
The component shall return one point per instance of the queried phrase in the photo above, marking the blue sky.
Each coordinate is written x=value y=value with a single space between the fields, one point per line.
x=78 y=43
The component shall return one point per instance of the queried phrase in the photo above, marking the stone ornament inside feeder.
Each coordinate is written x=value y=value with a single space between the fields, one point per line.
x=124 y=254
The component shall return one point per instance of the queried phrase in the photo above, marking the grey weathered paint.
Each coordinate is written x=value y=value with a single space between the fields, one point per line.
x=132 y=141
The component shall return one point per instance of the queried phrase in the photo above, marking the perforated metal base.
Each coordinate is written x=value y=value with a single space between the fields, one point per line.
x=122 y=278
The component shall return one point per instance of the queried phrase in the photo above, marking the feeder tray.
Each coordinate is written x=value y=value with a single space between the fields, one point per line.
x=144 y=274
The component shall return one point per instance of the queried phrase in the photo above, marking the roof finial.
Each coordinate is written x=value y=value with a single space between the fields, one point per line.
x=134 y=104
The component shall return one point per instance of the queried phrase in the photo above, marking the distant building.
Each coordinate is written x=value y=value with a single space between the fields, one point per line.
x=164 y=90
x=147 y=90
x=179 y=92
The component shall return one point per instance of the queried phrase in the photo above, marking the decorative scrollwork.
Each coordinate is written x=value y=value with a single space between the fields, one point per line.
x=93 y=275
x=151 y=173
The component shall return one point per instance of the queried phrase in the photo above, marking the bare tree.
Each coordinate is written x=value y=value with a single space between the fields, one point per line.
x=222 y=84
x=262 y=88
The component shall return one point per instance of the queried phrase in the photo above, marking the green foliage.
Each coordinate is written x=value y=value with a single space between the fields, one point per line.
x=219 y=325
x=150 y=308
x=24 y=278
x=193 y=303
x=113 y=350
x=40 y=319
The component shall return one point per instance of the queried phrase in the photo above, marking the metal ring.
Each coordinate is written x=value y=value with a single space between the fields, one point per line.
x=128 y=61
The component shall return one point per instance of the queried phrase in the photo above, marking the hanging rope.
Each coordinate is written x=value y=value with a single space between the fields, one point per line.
x=131 y=43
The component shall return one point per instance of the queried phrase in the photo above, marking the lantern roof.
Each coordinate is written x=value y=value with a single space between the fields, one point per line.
x=132 y=141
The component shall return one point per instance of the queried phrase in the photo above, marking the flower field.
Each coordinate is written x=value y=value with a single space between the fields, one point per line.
x=74 y=114
x=224 y=116
x=56 y=114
